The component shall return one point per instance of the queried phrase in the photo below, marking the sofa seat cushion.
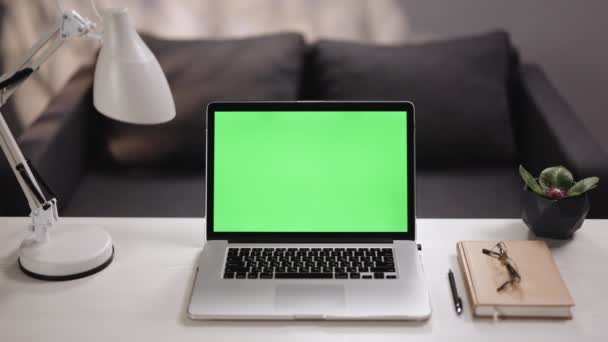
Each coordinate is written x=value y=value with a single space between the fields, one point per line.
x=459 y=88
x=468 y=193
x=441 y=193
x=139 y=193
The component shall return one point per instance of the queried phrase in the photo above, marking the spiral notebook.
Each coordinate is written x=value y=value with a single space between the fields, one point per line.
x=541 y=293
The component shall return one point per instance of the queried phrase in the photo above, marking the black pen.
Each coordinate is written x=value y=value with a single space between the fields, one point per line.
x=455 y=296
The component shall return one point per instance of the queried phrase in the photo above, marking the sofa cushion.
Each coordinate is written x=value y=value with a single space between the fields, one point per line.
x=458 y=87
x=199 y=72
x=139 y=193
x=440 y=193
x=468 y=193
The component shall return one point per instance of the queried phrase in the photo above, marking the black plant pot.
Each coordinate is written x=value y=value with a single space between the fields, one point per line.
x=554 y=219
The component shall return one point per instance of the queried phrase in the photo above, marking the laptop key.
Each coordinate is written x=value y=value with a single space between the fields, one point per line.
x=341 y=275
x=391 y=276
x=241 y=275
x=266 y=275
x=378 y=275
x=366 y=277
x=228 y=275
x=252 y=275
x=303 y=275
x=355 y=275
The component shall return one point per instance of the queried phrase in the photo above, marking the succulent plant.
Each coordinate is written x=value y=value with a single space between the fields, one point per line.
x=557 y=182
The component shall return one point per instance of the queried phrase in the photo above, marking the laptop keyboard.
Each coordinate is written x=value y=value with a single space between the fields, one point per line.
x=310 y=263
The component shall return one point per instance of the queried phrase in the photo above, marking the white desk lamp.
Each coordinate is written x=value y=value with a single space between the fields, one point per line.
x=129 y=86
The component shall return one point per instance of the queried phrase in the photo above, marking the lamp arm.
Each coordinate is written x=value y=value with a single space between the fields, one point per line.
x=26 y=59
x=44 y=212
x=17 y=160
x=70 y=26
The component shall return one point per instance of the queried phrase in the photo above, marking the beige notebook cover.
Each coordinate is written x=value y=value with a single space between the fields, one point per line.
x=541 y=293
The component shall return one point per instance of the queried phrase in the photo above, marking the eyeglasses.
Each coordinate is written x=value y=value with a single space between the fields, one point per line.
x=499 y=252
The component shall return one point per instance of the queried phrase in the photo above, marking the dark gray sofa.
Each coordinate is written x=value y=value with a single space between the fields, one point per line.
x=67 y=146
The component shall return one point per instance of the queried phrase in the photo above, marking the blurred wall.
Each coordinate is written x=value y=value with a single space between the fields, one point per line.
x=569 y=39
x=379 y=21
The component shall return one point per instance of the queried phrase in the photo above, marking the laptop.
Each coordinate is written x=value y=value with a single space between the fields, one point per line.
x=310 y=213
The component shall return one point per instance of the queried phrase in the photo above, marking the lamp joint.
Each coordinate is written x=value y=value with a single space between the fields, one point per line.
x=75 y=25
x=43 y=218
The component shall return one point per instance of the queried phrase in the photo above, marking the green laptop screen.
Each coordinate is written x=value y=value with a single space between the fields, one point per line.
x=303 y=172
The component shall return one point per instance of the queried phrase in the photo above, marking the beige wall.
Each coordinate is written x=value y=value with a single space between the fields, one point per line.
x=364 y=20
x=567 y=38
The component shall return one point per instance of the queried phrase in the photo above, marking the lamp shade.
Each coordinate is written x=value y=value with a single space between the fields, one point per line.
x=129 y=85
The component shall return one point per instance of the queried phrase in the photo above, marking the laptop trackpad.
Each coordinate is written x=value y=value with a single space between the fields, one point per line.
x=309 y=299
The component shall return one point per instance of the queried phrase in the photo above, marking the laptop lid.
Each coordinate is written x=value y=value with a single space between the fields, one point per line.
x=310 y=171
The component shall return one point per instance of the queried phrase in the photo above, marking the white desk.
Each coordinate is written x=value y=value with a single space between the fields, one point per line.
x=142 y=296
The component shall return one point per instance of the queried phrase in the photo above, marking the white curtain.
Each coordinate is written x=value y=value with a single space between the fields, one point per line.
x=379 y=21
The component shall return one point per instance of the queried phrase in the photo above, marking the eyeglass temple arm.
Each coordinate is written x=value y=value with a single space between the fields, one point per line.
x=512 y=271
x=490 y=253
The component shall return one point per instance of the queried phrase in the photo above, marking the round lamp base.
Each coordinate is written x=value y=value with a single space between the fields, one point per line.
x=71 y=252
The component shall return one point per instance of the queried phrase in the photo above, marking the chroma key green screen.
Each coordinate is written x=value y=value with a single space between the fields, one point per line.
x=304 y=172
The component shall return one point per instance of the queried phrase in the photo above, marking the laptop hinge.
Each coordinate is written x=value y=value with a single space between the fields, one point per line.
x=323 y=241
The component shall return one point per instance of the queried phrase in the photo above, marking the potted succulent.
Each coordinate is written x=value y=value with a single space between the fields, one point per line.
x=554 y=205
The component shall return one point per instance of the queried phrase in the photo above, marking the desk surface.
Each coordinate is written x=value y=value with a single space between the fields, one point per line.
x=143 y=295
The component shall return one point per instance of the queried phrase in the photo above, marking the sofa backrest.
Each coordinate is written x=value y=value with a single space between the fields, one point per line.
x=460 y=89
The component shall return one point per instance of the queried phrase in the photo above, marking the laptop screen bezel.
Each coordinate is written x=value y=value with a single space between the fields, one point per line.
x=330 y=237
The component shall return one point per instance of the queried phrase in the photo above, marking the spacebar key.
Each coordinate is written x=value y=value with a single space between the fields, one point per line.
x=281 y=275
